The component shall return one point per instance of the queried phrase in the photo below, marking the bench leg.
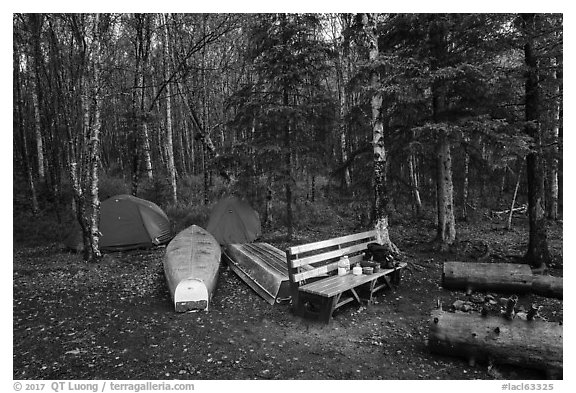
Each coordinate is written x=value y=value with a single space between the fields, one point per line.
x=372 y=286
x=388 y=283
x=396 y=276
x=328 y=306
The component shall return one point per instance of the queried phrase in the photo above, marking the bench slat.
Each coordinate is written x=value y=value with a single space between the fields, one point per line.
x=325 y=269
x=315 y=272
x=332 y=242
x=334 y=285
x=327 y=255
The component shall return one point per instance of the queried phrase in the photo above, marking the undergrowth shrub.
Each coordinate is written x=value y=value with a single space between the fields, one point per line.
x=110 y=186
x=41 y=228
x=184 y=215
x=157 y=190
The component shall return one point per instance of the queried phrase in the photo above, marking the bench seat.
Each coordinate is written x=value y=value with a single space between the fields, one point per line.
x=317 y=290
x=333 y=285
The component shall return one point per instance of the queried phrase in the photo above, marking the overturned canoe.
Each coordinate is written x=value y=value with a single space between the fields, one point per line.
x=191 y=266
x=263 y=267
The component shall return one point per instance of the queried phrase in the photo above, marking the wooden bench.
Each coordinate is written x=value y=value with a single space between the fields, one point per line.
x=317 y=290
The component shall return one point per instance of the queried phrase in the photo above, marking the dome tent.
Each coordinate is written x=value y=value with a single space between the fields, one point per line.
x=127 y=223
x=233 y=221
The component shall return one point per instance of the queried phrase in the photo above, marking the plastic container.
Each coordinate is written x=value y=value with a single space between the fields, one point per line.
x=344 y=263
x=357 y=271
x=342 y=271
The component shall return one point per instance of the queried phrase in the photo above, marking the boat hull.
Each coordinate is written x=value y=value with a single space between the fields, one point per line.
x=191 y=265
x=263 y=267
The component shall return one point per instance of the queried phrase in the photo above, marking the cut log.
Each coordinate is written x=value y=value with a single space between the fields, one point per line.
x=548 y=286
x=531 y=344
x=487 y=276
x=503 y=277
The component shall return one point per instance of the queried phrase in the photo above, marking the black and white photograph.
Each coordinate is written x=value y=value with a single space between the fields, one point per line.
x=350 y=199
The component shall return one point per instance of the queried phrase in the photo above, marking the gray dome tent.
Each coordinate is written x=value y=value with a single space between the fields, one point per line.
x=127 y=223
x=233 y=221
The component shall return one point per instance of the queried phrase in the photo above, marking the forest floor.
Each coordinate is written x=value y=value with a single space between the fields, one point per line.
x=114 y=320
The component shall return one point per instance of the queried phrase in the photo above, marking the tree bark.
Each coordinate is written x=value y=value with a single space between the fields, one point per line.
x=38 y=129
x=446 y=232
x=169 y=131
x=19 y=125
x=465 y=185
x=268 y=218
x=342 y=79
x=553 y=171
x=532 y=344
x=288 y=169
x=36 y=28
x=143 y=47
x=416 y=200
x=84 y=159
x=94 y=145
x=509 y=223
x=505 y=277
x=479 y=276
x=381 y=197
x=537 y=255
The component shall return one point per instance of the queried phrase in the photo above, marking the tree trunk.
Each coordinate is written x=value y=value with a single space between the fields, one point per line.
x=94 y=147
x=537 y=255
x=469 y=276
x=465 y=185
x=416 y=200
x=446 y=233
x=205 y=173
x=532 y=344
x=553 y=171
x=288 y=170
x=35 y=21
x=147 y=151
x=268 y=218
x=84 y=160
x=369 y=24
x=509 y=223
x=548 y=286
x=343 y=95
x=346 y=179
x=169 y=131
x=38 y=129
x=136 y=116
x=19 y=120
x=144 y=46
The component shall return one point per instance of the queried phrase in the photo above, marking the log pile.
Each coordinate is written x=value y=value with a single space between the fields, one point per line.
x=527 y=342
x=504 y=277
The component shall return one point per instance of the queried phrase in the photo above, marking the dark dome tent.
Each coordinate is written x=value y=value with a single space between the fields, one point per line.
x=127 y=223
x=233 y=221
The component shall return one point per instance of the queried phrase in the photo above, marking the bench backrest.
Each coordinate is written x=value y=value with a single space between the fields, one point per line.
x=319 y=258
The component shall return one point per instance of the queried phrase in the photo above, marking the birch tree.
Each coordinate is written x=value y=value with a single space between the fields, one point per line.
x=35 y=25
x=169 y=132
x=84 y=162
x=19 y=128
x=370 y=28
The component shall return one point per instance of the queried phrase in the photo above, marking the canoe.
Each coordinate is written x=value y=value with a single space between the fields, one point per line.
x=263 y=267
x=191 y=264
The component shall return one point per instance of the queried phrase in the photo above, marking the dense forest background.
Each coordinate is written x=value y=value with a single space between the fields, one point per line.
x=309 y=117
